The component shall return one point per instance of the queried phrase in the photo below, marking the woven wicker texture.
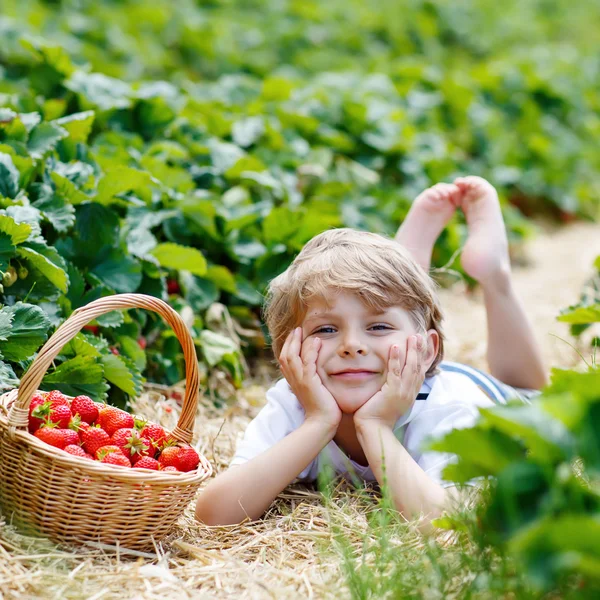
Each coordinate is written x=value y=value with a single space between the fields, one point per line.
x=46 y=491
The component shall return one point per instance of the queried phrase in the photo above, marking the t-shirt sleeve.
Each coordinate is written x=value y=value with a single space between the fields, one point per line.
x=420 y=433
x=281 y=415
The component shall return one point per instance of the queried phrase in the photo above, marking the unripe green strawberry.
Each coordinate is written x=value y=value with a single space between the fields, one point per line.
x=22 y=272
x=9 y=277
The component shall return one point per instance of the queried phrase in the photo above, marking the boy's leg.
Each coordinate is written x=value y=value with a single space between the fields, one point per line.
x=514 y=355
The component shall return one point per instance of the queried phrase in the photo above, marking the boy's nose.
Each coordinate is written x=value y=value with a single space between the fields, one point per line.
x=352 y=347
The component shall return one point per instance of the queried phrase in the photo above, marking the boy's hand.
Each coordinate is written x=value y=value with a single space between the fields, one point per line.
x=400 y=389
x=298 y=362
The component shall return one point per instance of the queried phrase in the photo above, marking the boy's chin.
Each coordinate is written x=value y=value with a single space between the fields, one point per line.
x=351 y=400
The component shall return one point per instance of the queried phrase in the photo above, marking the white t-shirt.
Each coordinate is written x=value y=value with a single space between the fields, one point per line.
x=452 y=403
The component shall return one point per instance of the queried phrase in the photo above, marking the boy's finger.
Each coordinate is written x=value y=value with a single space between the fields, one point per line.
x=410 y=365
x=394 y=365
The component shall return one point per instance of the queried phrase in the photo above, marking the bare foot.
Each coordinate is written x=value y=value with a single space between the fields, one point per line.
x=485 y=255
x=429 y=214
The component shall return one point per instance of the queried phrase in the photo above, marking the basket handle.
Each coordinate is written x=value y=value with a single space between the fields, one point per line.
x=72 y=326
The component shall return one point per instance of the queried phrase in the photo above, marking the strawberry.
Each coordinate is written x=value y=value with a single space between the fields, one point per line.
x=77 y=450
x=93 y=438
x=59 y=438
x=183 y=458
x=133 y=445
x=57 y=413
x=116 y=458
x=112 y=418
x=107 y=449
x=156 y=434
x=55 y=398
x=147 y=463
x=85 y=407
x=35 y=422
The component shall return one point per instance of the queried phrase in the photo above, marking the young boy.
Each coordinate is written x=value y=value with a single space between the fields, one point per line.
x=356 y=325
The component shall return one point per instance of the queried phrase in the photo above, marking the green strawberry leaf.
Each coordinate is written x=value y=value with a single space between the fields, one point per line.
x=44 y=138
x=122 y=372
x=78 y=125
x=48 y=261
x=9 y=176
x=79 y=375
x=29 y=330
x=215 y=346
x=174 y=256
x=8 y=379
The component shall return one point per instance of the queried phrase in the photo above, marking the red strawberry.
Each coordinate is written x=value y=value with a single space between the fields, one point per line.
x=107 y=449
x=112 y=418
x=147 y=463
x=183 y=458
x=77 y=450
x=169 y=469
x=133 y=445
x=93 y=438
x=55 y=398
x=116 y=458
x=59 y=438
x=85 y=407
x=35 y=422
x=57 y=413
x=156 y=434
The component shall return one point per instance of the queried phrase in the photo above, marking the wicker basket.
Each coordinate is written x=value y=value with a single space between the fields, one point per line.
x=46 y=491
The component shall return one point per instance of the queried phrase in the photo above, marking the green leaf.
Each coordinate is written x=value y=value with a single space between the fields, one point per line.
x=119 y=272
x=104 y=92
x=199 y=292
x=59 y=212
x=96 y=227
x=44 y=138
x=9 y=176
x=481 y=451
x=247 y=292
x=280 y=225
x=131 y=349
x=581 y=315
x=67 y=189
x=18 y=232
x=6 y=318
x=79 y=375
x=79 y=346
x=29 y=330
x=78 y=125
x=8 y=379
x=48 y=261
x=174 y=256
x=123 y=373
x=7 y=250
x=215 y=346
x=120 y=180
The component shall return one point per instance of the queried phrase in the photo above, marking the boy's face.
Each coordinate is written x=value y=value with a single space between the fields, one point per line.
x=354 y=338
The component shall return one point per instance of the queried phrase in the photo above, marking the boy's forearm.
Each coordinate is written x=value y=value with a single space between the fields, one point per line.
x=414 y=493
x=247 y=490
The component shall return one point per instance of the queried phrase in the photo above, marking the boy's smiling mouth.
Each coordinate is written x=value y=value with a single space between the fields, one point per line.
x=353 y=374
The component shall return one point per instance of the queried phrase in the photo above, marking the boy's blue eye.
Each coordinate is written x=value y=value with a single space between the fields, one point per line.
x=326 y=329
x=322 y=330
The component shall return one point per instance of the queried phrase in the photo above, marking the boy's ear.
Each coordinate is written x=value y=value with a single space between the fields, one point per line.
x=433 y=344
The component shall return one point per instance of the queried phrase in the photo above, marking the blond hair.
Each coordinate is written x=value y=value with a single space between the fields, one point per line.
x=375 y=267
